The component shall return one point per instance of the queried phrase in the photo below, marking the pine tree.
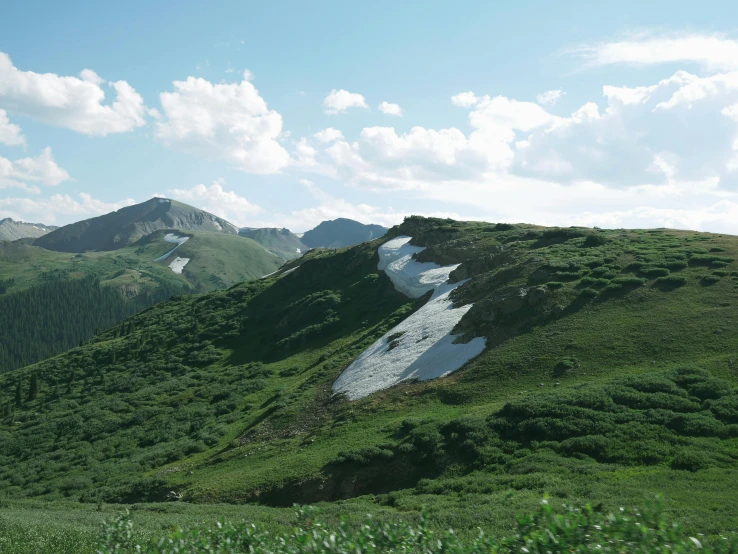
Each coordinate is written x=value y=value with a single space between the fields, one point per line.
x=33 y=388
x=18 y=397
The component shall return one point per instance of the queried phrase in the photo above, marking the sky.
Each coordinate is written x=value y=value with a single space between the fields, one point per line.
x=287 y=113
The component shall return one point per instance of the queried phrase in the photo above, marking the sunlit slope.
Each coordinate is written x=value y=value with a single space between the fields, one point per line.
x=609 y=374
x=216 y=260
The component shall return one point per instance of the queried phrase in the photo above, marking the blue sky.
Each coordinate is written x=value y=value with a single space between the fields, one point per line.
x=577 y=113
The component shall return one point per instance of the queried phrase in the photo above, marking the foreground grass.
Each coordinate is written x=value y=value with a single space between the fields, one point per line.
x=551 y=528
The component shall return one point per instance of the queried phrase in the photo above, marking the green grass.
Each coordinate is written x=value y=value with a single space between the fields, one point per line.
x=226 y=397
x=217 y=260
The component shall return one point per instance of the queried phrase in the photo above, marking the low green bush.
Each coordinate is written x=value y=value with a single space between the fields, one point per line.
x=629 y=281
x=652 y=272
x=554 y=284
x=670 y=282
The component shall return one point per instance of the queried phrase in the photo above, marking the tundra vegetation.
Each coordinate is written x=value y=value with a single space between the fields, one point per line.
x=609 y=379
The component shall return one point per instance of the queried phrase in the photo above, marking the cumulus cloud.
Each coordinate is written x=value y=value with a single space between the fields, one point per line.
x=550 y=97
x=10 y=134
x=59 y=208
x=339 y=101
x=25 y=172
x=74 y=103
x=215 y=199
x=712 y=51
x=390 y=109
x=382 y=158
x=223 y=121
x=328 y=135
x=464 y=99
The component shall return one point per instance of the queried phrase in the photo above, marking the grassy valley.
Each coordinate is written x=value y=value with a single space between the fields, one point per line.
x=609 y=377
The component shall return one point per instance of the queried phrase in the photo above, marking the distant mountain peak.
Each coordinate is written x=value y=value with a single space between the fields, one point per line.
x=11 y=230
x=126 y=225
x=341 y=232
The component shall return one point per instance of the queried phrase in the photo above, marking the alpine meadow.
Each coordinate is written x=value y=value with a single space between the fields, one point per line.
x=395 y=277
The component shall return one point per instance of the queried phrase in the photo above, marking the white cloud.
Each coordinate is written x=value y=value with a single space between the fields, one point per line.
x=10 y=134
x=686 y=116
x=58 y=209
x=464 y=99
x=714 y=52
x=70 y=102
x=339 y=101
x=328 y=135
x=39 y=170
x=550 y=97
x=390 y=109
x=305 y=153
x=382 y=158
x=226 y=204
x=223 y=121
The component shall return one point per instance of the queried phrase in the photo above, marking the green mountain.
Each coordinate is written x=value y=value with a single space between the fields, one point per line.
x=13 y=230
x=50 y=301
x=341 y=232
x=118 y=229
x=595 y=366
x=281 y=242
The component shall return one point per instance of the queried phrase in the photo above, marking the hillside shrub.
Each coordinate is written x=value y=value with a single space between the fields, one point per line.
x=653 y=272
x=554 y=284
x=708 y=259
x=670 y=282
x=675 y=265
x=709 y=280
x=629 y=281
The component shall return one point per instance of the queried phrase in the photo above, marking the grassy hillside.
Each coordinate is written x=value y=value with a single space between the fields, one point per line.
x=217 y=260
x=282 y=242
x=50 y=301
x=609 y=377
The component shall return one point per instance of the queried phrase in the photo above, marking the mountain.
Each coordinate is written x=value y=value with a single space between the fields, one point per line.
x=11 y=230
x=341 y=232
x=281 y=242
x=50 y=301
x=465 y=367
x=123 y=227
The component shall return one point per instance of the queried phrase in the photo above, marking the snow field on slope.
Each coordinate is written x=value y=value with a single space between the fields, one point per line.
x=178 y=264
x=422 y=346
x=172 y=239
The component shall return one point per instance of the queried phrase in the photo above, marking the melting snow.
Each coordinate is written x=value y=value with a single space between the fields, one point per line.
x=422 y=346
x=298 y=251
x=178 y=264
x=173 y=239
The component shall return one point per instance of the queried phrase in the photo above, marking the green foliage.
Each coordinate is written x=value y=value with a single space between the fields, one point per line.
x=671 y=282
x=708 y=259
x=547 y=531
x=554 y=284
x=50 y=318
x=653 y=272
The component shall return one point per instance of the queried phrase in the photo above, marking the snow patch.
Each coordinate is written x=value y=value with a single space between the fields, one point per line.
x=172 y=239
x=422 y=346
x=298 y=251
x=411 y=278
x=178 y=264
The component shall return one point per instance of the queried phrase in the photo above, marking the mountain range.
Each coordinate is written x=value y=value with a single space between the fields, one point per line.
x=142 y=253
x=11 y=230
x=466 y=367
